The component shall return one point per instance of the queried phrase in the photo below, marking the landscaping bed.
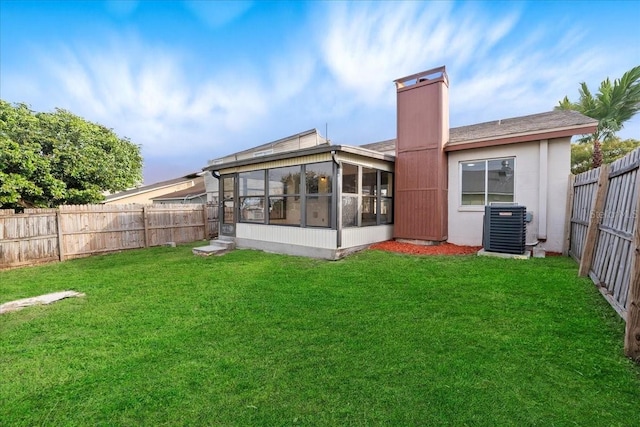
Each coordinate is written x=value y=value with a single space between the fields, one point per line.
x=441 y=249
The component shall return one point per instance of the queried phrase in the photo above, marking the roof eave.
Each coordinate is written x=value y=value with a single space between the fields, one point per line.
x=522 y=137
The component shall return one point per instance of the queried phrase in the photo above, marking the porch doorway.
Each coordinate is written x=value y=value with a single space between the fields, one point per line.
x=228 y=211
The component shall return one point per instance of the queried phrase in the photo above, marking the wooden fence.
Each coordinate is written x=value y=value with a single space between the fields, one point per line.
x=43 y=235
x=604 y=237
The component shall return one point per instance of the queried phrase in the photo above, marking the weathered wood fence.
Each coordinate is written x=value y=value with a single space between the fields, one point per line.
x=604 y=237
x=43 y=235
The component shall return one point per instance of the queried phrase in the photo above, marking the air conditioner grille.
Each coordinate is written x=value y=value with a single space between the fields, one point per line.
x=504 y=229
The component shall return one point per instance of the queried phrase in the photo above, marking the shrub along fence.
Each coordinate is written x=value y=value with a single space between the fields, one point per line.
x=604 y=237
x=43 y=235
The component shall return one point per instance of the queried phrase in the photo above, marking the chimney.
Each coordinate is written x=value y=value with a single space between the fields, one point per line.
x=421 y=163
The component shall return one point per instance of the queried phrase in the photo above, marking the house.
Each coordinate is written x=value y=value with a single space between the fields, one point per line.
x=429 y=185
x=145 y=194
x=196 y=194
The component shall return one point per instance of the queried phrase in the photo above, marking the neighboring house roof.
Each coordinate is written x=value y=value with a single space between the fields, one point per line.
x=552 y=124
x=151 y=187
x=188 y=193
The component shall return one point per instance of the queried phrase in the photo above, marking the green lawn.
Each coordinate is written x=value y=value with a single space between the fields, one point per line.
x=167 y=338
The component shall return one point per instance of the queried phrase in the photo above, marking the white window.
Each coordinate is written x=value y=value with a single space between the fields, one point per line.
x=367 y=196
x=485 y=181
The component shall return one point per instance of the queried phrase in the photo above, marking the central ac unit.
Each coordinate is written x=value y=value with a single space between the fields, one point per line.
x=504 y=229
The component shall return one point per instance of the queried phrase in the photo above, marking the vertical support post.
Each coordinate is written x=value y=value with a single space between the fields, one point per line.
x=594 y=222
x=205 y=218
x=632 y=330
x=145 y=219
x=173 y=225
x=61 y=253
x=566 y=246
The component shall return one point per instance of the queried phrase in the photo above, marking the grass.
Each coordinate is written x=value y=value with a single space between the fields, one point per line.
x=167 y=338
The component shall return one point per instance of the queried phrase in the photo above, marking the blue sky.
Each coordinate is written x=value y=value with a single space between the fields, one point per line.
x=195 y=80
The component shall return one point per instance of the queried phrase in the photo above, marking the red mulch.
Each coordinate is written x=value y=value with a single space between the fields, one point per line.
x=441 y=249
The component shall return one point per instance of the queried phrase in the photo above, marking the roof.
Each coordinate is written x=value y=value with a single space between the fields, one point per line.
x=382 y=146
x=293 y=142
x=197 y=190
x=318 y=149
x=150 y=187
x=552 y=124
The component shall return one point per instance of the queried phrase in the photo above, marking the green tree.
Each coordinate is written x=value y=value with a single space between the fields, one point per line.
x=613 y=105
x=50 y=159
x=612 y=149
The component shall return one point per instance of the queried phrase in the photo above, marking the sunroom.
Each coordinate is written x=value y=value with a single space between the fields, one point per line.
x=324 y=201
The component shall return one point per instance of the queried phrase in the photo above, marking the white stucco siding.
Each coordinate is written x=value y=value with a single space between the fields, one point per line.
x=559 y=170
x=465 y=222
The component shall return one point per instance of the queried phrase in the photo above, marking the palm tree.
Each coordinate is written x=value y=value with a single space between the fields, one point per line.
x=613 y=105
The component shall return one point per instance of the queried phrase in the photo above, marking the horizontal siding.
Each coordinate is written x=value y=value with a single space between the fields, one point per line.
x=316 y=158
x=311 y=237
x=417 y=217
x=358 y=236
x=365 y=161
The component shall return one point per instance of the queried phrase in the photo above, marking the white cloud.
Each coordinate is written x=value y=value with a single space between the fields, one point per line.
x=368 y=45
x=145 y=93
x=499 y=65
x=337 y=66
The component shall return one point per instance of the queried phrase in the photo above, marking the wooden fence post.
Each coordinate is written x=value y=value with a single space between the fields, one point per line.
x=205 y=217
x=594 y=222
x=566 y=246
x=632 y=330
x=60 y=235
x=145 y=219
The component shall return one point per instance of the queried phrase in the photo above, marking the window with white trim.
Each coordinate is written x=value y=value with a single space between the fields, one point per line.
x=486 y=181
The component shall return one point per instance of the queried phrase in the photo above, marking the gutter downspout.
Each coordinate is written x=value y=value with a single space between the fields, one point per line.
x=338 y=191
x=543 y=188
x=216 y=175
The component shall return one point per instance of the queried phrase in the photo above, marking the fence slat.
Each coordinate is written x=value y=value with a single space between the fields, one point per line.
x=632 y=330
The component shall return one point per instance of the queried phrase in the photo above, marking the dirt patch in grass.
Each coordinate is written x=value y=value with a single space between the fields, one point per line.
x=442 y=249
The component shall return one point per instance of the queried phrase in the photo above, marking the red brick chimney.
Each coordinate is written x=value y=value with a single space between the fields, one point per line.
x=421 y=163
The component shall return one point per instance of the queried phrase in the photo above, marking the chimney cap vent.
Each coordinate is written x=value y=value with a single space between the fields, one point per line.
x=426 y=77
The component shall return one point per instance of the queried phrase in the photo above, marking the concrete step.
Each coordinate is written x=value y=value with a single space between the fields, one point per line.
x=215 y=247
x=223 y=243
